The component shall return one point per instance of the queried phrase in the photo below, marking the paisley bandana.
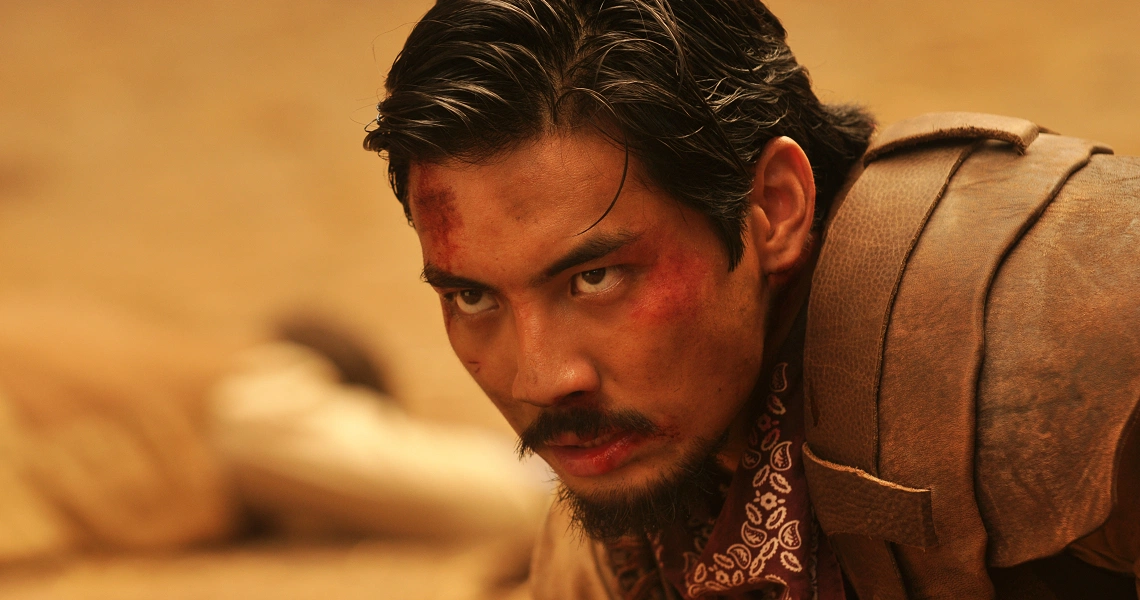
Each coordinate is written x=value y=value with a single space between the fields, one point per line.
x=759 y=539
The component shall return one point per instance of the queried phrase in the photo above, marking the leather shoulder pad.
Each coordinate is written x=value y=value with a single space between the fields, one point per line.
x=958 y=126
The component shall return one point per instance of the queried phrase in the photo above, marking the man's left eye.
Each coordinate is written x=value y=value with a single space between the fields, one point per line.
x=472 y=302
x=594 y=281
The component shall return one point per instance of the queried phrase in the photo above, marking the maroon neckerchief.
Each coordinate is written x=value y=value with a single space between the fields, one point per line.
x=765 y=542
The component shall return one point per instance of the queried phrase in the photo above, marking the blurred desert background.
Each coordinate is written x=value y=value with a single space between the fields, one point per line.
x=197 y=167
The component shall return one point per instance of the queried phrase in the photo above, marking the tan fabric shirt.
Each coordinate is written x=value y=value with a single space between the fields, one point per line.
x=569 y=566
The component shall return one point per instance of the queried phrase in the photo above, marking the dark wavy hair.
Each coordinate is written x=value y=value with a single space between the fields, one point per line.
x=693 y=89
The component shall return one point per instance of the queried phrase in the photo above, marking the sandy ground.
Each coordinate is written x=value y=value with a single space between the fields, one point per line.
x=365 y=571
x=200 y=163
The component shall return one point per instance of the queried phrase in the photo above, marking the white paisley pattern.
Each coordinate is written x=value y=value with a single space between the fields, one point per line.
x=767 y=534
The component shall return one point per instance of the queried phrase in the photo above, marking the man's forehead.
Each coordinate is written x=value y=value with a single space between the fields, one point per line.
x=554 y=171
x=524 y=216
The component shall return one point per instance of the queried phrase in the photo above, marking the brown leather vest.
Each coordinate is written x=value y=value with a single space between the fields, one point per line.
x=972 y=364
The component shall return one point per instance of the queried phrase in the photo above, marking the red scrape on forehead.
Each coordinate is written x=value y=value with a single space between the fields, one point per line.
x=435 y=217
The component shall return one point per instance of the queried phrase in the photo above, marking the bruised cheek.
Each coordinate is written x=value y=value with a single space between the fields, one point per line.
x=673 y=290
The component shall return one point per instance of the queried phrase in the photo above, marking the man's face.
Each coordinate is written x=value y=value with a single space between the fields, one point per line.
x=620 y=352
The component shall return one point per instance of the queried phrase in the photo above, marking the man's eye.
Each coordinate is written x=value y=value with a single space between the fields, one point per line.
x=594 y=281
x=473 y=301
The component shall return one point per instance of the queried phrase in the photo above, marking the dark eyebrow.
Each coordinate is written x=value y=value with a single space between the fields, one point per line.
x=438 y=278
x=592 y=249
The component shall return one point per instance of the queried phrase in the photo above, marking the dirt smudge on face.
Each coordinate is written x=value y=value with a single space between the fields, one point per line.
x=435 y=217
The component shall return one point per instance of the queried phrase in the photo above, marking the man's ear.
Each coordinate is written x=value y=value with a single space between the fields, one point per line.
x=782 y=206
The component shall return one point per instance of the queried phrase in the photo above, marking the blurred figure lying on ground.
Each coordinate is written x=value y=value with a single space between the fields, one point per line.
x=118 y=434
x=319 y=456
x=101 y=421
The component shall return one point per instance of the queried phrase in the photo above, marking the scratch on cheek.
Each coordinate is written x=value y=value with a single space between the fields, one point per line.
x=670 y=432
x=473 y=366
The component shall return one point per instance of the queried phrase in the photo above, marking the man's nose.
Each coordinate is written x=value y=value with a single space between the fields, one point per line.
x=551 y=366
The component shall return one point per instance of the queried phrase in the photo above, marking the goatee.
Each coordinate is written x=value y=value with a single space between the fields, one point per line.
x=669 y=499
x=672 y=498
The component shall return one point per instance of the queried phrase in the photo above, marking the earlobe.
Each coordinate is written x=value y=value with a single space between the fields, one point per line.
x=782 y=206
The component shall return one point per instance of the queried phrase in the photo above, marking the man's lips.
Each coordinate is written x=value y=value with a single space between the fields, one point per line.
x=589 y=456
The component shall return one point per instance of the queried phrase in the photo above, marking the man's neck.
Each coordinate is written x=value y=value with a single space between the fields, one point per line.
x=789 y=294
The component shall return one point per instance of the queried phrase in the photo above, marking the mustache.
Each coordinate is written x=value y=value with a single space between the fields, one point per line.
x=583 y=421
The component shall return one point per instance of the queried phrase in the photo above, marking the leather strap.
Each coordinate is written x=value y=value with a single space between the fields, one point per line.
x=952 y=126
x=934 y=348
x=848 y=500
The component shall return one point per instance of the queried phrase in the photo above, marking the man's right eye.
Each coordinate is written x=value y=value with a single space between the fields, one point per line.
x=471 y=302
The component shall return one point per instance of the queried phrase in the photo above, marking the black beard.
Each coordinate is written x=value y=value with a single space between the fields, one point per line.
x=670 y=499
